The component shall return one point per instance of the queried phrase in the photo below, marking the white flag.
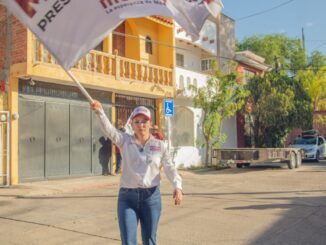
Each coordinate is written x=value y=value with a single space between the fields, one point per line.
x=70 y=28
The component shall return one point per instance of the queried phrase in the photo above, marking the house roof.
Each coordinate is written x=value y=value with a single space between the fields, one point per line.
x=249 y=58
x=165 y=20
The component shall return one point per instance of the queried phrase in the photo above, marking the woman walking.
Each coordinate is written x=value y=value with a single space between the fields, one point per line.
x=139 y=196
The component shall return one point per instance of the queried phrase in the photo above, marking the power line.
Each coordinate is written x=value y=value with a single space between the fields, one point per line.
x=265 y=11
x=320 y=45
x=271 y=9
x=208 y=57
x=315 y=40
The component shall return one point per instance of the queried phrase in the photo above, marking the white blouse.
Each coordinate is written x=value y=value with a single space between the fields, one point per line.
x=141 y=164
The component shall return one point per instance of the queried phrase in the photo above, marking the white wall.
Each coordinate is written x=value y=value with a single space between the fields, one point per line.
x=191 y=56
x=191 y=155
x=229 y=127
x=208 y=30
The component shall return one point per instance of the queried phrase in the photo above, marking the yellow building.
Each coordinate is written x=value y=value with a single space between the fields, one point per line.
x=53 y=132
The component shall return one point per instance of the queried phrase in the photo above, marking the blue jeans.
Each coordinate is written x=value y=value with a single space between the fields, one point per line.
x=139 y=205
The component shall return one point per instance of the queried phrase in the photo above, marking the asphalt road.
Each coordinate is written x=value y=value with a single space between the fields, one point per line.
x=265 y=204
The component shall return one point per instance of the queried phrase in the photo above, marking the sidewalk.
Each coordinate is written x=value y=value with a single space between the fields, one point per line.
x=60 y=186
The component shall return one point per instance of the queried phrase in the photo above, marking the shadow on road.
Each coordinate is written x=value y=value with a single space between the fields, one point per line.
x=302 y=223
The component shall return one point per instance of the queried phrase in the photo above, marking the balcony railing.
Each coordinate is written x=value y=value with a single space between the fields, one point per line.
x=185 y=77
x=113 y=65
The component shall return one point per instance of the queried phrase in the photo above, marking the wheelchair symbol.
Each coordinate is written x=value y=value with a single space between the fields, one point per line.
x=167 y=109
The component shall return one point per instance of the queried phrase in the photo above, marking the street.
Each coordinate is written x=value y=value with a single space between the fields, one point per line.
x=265 y=204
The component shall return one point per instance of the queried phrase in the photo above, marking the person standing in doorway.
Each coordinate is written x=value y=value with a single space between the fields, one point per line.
x=104 y=155
x=139 y=198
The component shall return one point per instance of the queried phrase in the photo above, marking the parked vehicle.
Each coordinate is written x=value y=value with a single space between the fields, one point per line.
x=244 y=157
x=313 y=145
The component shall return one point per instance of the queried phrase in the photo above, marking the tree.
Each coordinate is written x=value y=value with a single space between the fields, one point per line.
x=221 y=98
x=280 y=104
x=289 y=51
x=313 y=79
x=317 y=60
x=314 y=82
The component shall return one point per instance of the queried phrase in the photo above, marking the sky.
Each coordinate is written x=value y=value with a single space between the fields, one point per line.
x=288 y=19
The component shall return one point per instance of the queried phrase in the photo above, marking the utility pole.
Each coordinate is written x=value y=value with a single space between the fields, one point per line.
x=303 y=40
x=277 y=64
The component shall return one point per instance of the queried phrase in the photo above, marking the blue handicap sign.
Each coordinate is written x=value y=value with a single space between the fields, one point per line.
x=168 y=108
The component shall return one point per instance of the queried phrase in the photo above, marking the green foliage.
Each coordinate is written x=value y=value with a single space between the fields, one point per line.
x=290 y=52
x=317 y=61
x=221 y=98
x=319 y=119
x=314 y=82
x=280 y=104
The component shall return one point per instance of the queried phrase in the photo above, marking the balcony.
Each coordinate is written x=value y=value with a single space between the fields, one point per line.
x=186 y=77
x=112 y=65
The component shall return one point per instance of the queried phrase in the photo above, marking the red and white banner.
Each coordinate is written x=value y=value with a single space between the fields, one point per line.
x=70 y=28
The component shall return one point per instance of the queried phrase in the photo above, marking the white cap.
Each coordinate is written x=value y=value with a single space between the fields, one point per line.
x=141 y=110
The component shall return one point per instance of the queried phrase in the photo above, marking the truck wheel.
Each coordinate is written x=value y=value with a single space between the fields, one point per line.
x=247 y=164
x=292 y=161
x=298 y=161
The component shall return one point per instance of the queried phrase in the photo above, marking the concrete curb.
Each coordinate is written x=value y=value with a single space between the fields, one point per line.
x=60 y=186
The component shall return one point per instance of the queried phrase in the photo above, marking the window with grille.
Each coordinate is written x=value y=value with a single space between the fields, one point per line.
x=149 y=45
x=126 y=103
x=206 y=65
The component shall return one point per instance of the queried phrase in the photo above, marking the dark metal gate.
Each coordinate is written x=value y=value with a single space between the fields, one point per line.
x=56 y=139
x=59 y=137
x=126 y=103
x=80 y=140
x=31 y=139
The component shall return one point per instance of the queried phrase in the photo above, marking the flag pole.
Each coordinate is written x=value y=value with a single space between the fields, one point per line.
x=81 y=88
